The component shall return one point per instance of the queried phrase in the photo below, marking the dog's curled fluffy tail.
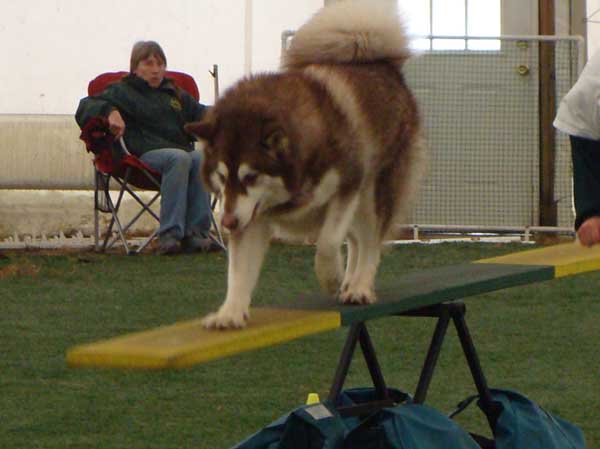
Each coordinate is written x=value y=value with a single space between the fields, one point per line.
x=350 y=32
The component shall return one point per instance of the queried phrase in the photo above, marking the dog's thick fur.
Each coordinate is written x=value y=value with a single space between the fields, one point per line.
x=330 y=147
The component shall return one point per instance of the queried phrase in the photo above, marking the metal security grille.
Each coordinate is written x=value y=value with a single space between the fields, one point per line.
x=481 y=115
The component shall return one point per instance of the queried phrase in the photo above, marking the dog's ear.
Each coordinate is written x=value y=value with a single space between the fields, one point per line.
x=203 y=130
x=276 y=143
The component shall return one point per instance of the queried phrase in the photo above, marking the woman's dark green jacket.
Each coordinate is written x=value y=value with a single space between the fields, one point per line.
x=154 y=117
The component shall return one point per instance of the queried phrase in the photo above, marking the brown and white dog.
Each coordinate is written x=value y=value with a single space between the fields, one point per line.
x=330 y=147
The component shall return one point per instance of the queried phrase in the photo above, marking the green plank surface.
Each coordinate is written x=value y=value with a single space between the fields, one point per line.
x=433 y=286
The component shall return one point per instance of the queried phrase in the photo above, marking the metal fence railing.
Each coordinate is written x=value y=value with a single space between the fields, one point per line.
x=481 y=111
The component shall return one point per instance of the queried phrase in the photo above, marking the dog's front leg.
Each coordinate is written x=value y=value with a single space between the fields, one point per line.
x=246 y=253
x=328 y=259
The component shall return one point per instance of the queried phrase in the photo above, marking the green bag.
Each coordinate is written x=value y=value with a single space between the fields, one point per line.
x=320 y=426
x=523 y=424
x=409 y=426
x=314 y=426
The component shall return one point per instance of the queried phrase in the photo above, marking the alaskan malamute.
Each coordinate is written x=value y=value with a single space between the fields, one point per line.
x=330 y=147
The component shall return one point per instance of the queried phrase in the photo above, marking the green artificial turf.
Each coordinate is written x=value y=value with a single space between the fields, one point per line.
x=541 y=339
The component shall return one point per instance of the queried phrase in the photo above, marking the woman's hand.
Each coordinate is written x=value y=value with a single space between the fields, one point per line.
x=116 y=124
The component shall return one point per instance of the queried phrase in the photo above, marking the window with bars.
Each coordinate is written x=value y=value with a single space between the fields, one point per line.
x=454 y=24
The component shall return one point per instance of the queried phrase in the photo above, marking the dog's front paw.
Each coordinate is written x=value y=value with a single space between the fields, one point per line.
x=329 y=272
x=360 y=297
x=329 y=281
x=226 y=319
x=330 y=285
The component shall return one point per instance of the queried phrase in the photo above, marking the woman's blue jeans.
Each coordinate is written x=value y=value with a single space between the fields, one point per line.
x=184 y=205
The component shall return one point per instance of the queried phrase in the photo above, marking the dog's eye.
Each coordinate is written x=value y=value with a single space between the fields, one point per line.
x=221 y=177
x=249 y=179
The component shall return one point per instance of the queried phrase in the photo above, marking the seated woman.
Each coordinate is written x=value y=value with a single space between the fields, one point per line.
x=149 y=111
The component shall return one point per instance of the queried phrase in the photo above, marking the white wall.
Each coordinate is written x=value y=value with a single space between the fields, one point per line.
x=266 y=39
x=520 y=17
x=54 y=47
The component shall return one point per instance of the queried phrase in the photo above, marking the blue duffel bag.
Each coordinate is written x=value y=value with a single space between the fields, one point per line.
x=523 y=424
x=320 y=426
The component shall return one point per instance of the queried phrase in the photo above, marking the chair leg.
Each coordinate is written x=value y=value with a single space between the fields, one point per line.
x=96 y=211
x=115 y=218
x=102 y=183
x=145 y=208
x=96 y=230
x=121 y=233
x=147 y=241
x=122 y=228
x=219 y=239
x=105 y=245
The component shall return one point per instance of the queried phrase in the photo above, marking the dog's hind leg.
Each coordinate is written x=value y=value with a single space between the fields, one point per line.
x=246 y=253
x=351 y=259
x=364 y=230
x=329 y=266
x=359 y=287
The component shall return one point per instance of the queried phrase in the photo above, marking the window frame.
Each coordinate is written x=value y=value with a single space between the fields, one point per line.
x=429 y=41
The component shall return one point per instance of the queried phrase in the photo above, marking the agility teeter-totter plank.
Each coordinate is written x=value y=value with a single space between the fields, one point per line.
x=187 y=343
x=567 y=259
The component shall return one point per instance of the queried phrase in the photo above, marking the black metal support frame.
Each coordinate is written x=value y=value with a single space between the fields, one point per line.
x=444 y=312
x=358 y=333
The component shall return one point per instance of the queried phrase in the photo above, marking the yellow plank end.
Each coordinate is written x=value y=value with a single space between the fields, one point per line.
x=188 y=343
x=567 y=259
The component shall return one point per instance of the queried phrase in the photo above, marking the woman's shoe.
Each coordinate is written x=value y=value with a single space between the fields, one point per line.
x=198 y=244
x=168 y=245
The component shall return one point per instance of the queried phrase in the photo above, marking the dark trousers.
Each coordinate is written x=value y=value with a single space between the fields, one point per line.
x=585 y=154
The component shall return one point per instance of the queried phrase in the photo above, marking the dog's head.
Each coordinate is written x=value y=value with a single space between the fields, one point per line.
x=249 y=161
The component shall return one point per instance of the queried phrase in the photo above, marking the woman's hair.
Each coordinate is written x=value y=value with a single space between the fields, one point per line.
x=144 y=49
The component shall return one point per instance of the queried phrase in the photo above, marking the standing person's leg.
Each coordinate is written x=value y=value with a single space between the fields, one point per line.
x=174 y=166
x=585 y=154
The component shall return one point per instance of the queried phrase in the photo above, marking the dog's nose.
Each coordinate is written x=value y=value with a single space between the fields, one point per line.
x=229 y=221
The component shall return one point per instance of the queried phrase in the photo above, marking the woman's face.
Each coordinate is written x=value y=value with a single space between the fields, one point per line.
x=152 y=70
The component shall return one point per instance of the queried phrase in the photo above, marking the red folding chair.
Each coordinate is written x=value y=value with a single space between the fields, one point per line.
x=128 y=171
